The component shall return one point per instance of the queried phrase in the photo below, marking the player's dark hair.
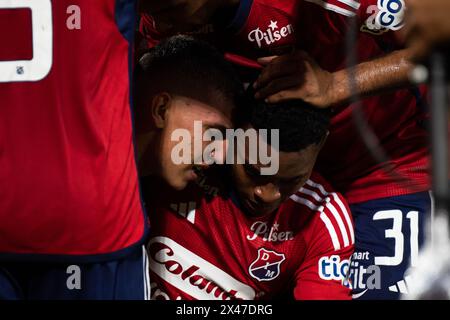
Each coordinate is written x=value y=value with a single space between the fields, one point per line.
x=300 y=124
x=185 y=66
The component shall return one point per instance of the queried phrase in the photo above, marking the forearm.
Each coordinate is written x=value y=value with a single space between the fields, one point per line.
x=369 y=78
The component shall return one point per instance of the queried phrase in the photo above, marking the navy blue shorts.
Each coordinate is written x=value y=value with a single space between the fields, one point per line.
x=124 y=279
x=388 y=235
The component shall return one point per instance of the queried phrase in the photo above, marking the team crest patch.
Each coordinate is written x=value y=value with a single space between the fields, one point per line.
x=266 y=266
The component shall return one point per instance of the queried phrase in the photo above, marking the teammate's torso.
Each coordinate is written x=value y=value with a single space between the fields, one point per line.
x=203 y=245
x=397 y=118
x=68 y=180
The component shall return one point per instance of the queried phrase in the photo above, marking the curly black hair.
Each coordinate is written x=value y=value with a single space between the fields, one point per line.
x=300 y=124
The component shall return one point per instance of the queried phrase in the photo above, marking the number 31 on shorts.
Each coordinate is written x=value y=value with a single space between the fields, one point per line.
x=396 y=233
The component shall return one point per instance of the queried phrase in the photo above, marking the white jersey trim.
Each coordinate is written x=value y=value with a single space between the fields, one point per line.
x=332 y=7
x=335 y=206
x=351 y=3
x=331 y=231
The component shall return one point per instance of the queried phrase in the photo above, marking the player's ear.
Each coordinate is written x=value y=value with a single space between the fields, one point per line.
x=159 y=107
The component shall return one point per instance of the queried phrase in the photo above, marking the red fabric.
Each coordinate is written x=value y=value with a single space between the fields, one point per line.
x=208 y=248
x=19 y=32
x=67 y=168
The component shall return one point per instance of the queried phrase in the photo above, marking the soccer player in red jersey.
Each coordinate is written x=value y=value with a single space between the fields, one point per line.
x=302 y=46
x=72 y=225
x=239 y=234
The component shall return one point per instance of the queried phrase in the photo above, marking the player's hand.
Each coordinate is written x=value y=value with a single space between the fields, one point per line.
x=294 y=76
x=427 y=26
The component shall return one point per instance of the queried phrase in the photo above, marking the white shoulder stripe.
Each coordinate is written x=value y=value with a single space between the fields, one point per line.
x=317 y=186
x=306 y=202
x=332 y=207
x=331 y=231
x=326 y=220
x=310 y=193
x=333 y=7
x=351 y=3
x=340 y=223
x=346 y=215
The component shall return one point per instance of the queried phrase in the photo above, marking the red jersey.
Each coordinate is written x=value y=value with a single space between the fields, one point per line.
x=68 y=178
x=204 y=246
x=267 y=27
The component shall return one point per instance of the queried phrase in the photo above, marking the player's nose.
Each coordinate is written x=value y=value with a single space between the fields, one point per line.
x=267 y=193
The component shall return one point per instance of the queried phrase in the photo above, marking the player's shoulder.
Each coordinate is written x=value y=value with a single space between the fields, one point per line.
x=328 y=209
x=281 y=5
x=390 y=11
x=349 y=8
x=349 y=5
x=315 y=193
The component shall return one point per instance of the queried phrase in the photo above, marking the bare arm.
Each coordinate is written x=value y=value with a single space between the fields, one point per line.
x=388 y=72
x=297 y=76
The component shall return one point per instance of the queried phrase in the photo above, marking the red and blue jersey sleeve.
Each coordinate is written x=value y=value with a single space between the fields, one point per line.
x=330 y=240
